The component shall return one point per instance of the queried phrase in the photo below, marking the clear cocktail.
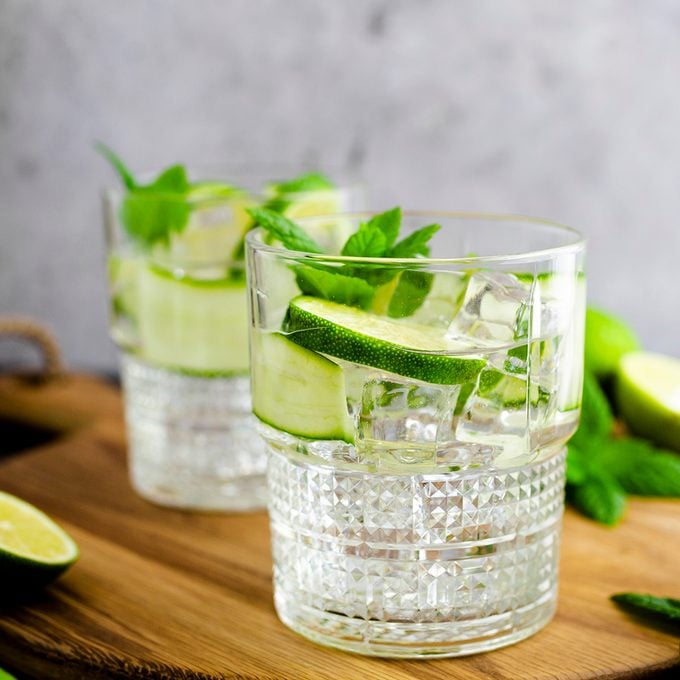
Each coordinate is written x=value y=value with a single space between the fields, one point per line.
x=416 y=412
x=180 y=316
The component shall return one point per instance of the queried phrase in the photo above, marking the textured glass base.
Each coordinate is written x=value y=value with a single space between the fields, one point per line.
x=192 y=440
x=403 y=640
x=419 y=564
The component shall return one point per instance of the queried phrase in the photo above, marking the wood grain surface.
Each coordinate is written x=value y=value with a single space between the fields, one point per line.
x=160 y=593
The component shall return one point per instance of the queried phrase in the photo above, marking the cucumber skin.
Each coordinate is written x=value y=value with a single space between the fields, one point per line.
x=289 y=378
x=319 y=335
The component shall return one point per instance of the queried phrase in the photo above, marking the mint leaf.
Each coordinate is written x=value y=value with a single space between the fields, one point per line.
x=281 y=228
x=151 y=213
x=412 y=289
x=596 y=414
x=334 y=286
x=125 y=175
x=640 y=468
x=314 y=181
x=577 y=465
x=374 y=237
x=415 y=244
x=151 y=219
x=664 y=608
x=599 y=497
x=366 y=242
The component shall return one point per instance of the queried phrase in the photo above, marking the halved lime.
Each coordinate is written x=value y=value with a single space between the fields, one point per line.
x=607 y=339
x=33 y=549
x=412 y=350
x=648 y=396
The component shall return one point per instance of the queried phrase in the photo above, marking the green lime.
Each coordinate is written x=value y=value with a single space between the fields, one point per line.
x=607 y=339
x=33 y=549
x=648 y=396
x=412 y=350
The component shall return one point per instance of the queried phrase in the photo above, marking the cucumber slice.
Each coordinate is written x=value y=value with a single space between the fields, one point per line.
x=192 y=324
x=123 y=273
x=298 y=391
x=361 y=337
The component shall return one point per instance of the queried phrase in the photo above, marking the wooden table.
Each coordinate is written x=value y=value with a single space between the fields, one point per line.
x=165 y=594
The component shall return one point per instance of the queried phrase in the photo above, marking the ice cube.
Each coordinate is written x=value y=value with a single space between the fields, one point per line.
x=496 y=310
x=400 y=422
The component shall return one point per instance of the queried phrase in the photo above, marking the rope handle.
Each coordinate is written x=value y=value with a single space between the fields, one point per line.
x=34 y=332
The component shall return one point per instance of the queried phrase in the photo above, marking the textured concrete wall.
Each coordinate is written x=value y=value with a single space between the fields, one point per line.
x=562 y=110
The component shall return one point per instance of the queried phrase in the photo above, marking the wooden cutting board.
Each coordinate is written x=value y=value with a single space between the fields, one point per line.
x=159 y=593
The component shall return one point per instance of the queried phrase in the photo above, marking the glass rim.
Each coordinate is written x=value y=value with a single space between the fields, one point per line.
x=114 y=195
x=247 y=178
x=576 y=245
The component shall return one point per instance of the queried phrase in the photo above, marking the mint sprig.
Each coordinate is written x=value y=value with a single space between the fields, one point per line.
x=152 y=213
x=357 y=284
x=603 y=470
x=662 y=608
x=600 y=497
x=415 y=244
x=375 y=237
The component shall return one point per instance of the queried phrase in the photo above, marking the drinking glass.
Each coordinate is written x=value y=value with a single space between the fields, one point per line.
x=416 y=430
x=178 y=313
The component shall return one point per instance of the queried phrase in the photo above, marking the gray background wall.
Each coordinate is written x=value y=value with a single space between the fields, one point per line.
x=562 y=110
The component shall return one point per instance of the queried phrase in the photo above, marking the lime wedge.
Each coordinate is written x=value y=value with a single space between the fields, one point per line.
x=412 y=350
x=216 y=225
x=648 y=396
x=607 y=339
x=33 y=549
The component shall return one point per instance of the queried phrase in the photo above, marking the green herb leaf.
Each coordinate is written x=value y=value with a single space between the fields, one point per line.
x=313 y=181
x=640 y=468
x=153 y=212
x=664 y=608
x=366 y=242
x=577 y=465
x=600 y=497
x=334 y=286
x=376 y=236
x=415 y=244
x=125 y=175
x=281 y=228
x=596 y=415
x=411 y=291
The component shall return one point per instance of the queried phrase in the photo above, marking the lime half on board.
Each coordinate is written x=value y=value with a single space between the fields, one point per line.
x=608 y=338
x=648 y=396
x=34 y=550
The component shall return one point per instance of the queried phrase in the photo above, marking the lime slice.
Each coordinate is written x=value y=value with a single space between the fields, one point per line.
x=197 y=325
x=216 y=225
x=648 y=396
x=407 y=349
x=607 y=339
x=298 y=391
x=330 y=234
x=33 y=549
